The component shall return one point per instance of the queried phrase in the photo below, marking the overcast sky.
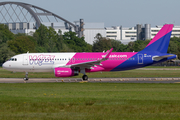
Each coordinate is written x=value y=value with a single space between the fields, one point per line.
x=127 y=13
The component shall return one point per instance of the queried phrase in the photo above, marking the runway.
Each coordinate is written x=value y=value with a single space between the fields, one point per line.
x=92 y=80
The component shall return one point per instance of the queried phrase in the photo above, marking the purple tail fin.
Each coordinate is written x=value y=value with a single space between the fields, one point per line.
x=160 y=42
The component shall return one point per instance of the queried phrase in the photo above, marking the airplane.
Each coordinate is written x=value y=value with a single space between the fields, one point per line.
x=71 y=64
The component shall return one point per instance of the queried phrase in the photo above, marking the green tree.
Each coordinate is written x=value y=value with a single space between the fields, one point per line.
x=176 y=48
x=5 y=34
x=137 y=45
x=5 y=52
x=61 y=46
x=115 y=44
x=41 y=35
x=122 y=48
x=101 y=44
x=48 y=40
x=22 y=44
x=173 y=47
x=75 y=43
x=130 y=47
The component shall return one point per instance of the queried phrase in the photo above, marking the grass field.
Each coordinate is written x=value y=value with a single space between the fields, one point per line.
x=137 y=73
x=89 y=101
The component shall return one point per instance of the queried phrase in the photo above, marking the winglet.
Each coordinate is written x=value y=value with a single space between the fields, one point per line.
x=108 y=54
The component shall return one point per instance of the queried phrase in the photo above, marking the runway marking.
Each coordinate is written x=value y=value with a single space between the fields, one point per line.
x=83 y=82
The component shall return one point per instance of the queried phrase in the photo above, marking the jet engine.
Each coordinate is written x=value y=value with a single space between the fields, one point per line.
x=65 y=72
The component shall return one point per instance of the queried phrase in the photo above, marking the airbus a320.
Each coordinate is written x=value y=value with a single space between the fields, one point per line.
x=71 y=64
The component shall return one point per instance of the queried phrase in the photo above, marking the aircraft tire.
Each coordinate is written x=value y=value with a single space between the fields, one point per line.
x=26 y=79
x=85 y=77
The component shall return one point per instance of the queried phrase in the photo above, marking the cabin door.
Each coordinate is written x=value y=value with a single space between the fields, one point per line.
x=25 y=60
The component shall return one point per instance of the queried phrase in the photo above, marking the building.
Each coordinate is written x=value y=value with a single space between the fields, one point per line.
x=123 y=34
x=139 y=32
x=90 y=29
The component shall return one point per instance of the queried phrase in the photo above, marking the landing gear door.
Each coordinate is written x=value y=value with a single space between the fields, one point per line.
x=140 y=58
x=25 y=60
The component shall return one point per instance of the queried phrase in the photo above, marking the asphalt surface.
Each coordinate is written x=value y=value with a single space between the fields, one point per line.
x=109 y=80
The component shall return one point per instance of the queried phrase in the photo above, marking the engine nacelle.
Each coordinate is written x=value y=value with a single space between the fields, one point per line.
x=65 y=72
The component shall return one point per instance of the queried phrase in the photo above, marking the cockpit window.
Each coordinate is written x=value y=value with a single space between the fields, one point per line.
x=13 y=59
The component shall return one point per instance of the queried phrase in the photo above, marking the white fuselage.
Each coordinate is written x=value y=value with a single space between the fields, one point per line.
x=37 y=62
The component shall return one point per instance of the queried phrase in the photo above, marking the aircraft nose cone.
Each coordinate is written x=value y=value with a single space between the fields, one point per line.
x=4 y=65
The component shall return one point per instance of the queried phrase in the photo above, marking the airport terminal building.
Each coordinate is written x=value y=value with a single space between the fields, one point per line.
x=123 y=34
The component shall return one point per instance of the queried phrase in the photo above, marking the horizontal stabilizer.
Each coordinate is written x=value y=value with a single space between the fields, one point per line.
x=158 y=58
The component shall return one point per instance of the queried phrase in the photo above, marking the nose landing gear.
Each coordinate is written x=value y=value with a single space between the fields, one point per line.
x=26 y=77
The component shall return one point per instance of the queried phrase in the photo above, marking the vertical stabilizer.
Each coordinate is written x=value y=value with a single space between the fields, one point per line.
x=160 y=42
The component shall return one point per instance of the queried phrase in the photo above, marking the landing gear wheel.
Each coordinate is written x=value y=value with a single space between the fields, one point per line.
x=85 y=77
x=26 y=79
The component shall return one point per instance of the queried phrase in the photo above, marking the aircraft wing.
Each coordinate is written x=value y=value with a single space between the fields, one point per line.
x=158 y=58
x=92 y=63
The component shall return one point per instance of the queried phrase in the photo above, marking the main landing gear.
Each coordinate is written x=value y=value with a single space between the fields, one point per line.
x=26 y=77
x=84 y=77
